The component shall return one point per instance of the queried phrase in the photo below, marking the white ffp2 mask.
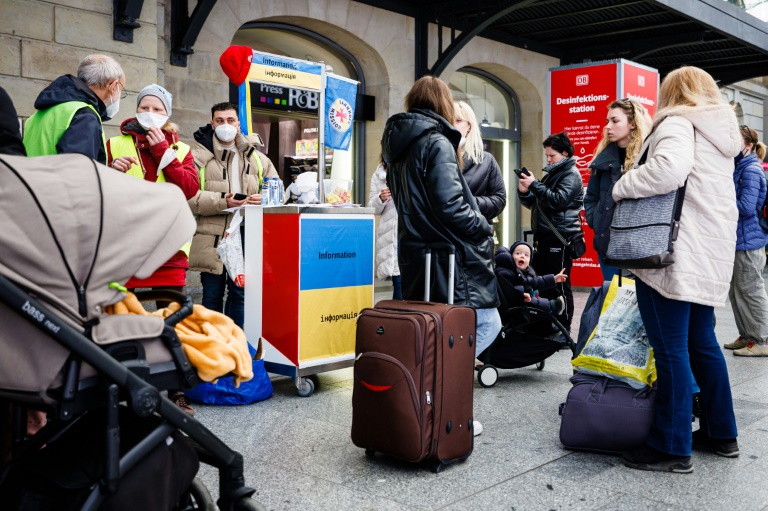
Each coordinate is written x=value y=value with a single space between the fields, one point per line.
x=226 y=132
x=151 y=120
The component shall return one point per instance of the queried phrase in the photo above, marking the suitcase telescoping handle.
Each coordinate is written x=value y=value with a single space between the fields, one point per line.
x=443 y=247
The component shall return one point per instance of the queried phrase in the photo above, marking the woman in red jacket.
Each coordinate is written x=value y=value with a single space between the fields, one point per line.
x=149 y=148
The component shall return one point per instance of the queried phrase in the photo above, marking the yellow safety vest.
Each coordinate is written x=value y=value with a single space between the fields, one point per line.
x=45 y=128
x=124 y=145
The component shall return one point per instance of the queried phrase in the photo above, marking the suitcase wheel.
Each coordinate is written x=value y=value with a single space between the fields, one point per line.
x=487 y=376
x=437 y=466
x=370 y=453
x=305 y=387
x=540 y=365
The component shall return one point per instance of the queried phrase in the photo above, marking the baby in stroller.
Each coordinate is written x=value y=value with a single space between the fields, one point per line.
x=519 y=283
x=530 y=332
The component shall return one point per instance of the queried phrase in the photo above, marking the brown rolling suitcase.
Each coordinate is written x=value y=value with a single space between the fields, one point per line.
x=414 y=378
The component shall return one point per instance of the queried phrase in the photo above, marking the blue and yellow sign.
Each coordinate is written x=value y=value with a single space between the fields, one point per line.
x=336 y=283
x=266 y=67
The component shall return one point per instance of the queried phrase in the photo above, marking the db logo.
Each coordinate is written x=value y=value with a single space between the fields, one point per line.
x=641 y=80
x=582 y=79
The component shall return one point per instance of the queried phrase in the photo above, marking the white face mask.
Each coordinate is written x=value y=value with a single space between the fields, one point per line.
x=151 y=120
x=113 y=107
x=462 y=142
x=226 y=133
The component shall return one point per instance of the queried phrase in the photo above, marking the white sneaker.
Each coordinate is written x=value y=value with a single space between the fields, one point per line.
x=477 y=428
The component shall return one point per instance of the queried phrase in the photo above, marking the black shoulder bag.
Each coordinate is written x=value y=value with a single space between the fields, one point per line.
x=575 y=243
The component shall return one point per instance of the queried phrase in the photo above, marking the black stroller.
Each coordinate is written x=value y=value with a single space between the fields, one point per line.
x=528 y=336
x=74 y=232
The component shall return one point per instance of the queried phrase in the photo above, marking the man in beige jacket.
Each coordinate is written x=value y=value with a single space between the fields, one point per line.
x=229 y=165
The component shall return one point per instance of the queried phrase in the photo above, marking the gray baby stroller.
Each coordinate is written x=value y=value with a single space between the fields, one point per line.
x=73 y=233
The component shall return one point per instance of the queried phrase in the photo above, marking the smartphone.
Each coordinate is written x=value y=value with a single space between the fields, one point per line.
x=522 y=172
x=240 y=196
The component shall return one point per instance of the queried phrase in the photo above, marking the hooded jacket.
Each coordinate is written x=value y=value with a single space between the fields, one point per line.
x=706 y=242
x=84 y=134
x=10 y=138
x=214 y=168
x=511 y=276
x=598 y=203
x=749 y=181
x=386 y=235
x=487 y=186
x=435 y=206
x=560 y=194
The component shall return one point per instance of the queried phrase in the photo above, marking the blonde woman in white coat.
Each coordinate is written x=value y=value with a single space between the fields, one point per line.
x=695 y=137
x=380 y=199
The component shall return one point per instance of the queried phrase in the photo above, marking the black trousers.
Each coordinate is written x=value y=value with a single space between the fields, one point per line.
x=551 y=258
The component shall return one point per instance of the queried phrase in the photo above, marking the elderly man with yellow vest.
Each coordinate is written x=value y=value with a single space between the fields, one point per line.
x=229 y=164
x=71 y=109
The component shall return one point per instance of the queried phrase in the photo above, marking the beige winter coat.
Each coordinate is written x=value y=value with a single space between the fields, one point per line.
x=706 y=242
x=209 y=204
x=386 y=235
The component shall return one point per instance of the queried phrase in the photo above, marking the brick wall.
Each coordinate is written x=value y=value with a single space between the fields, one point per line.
x=40 y=41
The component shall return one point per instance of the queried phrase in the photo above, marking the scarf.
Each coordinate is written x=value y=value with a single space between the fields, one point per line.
x=549 y=169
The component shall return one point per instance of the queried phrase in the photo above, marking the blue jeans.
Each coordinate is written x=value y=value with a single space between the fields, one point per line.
x=397 y=291
x=682 y=335
x=488 y=327
x=213 y=296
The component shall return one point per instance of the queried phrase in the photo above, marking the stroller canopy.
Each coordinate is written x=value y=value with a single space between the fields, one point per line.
x=72 y=226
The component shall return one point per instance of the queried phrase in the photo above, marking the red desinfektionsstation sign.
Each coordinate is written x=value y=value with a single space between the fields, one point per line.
x=579 y=96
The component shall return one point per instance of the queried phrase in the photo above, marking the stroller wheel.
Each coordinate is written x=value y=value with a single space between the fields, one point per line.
x=487 y=376
x=540 y=365
x=199 y=497
x=306 y=389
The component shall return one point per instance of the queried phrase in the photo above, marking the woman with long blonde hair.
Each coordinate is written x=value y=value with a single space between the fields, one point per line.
x=481 y=171
x=626 y=127
x=694 y=140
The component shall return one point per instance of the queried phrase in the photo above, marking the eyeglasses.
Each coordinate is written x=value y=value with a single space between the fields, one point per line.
x=121 y=87
x=631 y=105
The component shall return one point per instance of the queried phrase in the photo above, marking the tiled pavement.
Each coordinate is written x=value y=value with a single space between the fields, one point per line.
x=299 y=456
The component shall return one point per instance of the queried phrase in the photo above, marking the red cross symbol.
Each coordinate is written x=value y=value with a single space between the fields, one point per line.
x=340 y=113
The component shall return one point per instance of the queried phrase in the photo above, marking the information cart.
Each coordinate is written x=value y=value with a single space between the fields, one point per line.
x=309 y=273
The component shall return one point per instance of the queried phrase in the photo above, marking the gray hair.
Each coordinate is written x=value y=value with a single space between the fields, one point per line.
x=98 y=70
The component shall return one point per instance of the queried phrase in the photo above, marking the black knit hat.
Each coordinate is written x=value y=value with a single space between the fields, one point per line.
x=515 y=244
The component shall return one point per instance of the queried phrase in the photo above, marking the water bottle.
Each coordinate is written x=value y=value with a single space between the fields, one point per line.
x=265 y=192
x=274 y=194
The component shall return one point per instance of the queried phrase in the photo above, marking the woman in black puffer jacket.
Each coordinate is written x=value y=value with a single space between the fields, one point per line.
x=434 y=205
x=560 y=195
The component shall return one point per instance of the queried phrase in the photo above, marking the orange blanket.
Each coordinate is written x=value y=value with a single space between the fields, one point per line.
x=211 y=340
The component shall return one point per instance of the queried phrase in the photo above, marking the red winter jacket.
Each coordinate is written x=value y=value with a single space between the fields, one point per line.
x=181 y=173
